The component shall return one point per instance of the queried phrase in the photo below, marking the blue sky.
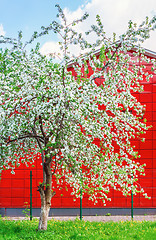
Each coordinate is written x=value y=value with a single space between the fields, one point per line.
x=30 y=15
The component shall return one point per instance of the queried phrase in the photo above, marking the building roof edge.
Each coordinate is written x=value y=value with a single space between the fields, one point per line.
x=148 y=52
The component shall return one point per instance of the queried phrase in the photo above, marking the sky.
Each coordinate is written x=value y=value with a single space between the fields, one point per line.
x=30 y=15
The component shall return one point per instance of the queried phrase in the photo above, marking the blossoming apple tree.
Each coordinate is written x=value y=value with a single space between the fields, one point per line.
x=46 y=108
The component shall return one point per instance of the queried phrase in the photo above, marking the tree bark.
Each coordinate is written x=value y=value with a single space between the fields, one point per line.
x=46 y=194
x=43 y=217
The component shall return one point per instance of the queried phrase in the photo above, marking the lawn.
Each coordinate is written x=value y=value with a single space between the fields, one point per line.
x=25 y=229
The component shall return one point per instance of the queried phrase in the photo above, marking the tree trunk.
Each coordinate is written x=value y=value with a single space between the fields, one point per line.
x=43 y=217
x=46 y=194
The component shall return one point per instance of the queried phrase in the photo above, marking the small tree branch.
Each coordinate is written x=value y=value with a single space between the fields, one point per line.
x=41 y=126
x=55 y=166
x=53 y=194
x=23 y=137
x=44 y=174
x=38 y=141
x=106 y=65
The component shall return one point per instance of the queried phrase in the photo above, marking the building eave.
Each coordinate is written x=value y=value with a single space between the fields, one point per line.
x=148 y=53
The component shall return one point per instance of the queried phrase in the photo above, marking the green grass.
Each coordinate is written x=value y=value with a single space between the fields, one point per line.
x=10 y=230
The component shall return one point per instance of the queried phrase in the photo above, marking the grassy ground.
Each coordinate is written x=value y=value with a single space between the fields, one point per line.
x=10 y=230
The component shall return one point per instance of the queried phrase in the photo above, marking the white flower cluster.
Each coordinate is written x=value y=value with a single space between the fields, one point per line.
x=82 y=118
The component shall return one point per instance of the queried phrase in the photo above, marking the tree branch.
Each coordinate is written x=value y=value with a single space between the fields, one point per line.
x=23 y=137
x=55 y=166
x=106 y=65
x=39 y=144
x=41 y=126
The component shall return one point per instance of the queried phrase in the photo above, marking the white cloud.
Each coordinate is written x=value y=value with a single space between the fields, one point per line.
x=51 y=48
x=2 y=32
x=115 y=15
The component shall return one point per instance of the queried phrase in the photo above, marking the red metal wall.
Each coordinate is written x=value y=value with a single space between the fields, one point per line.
x=14 y=189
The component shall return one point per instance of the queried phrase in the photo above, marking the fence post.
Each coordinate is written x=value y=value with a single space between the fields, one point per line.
x=30 y=195
x=132 y=199
x=81 y=204
x=81 y=199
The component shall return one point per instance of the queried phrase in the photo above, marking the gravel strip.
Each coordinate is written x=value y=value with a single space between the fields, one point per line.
x=95 y=218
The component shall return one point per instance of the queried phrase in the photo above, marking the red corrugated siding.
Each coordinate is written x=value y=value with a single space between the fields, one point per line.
x=14 y=189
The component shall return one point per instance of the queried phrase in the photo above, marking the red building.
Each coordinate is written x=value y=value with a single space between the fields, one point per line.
x=15 y=189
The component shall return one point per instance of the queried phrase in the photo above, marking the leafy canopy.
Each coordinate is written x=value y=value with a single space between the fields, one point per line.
x=76 y=113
